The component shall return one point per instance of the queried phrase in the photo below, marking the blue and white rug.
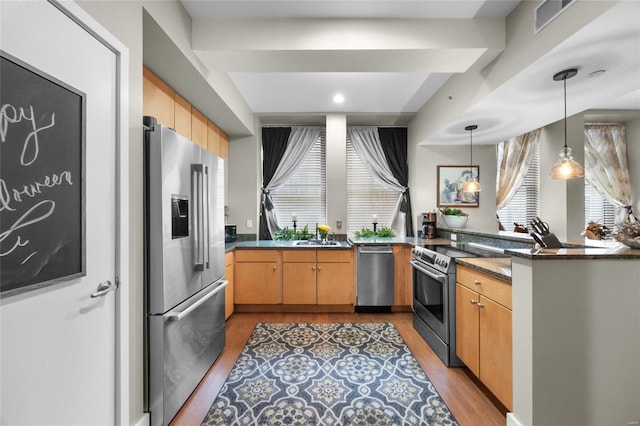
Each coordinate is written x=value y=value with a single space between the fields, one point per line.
x=327 y=374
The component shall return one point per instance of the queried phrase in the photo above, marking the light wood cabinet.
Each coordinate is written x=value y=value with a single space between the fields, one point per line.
x=198 y=128
x=403 y=278
x=229 y=290
x=323 y=277
x=182 y=114
x=213 y=138
x=484 y=330
x=172 y=110
x=224 y=144
x=157 y=99
x=336 y=277
x=257 y=277
x=468 y=328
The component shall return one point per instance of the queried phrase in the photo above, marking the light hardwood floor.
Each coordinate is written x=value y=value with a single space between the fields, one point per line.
x=468 y=401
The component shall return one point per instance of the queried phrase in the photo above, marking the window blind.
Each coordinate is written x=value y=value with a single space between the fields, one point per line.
x=596 y=208
x=365 y=196
x=305 y=193
x=524 y=205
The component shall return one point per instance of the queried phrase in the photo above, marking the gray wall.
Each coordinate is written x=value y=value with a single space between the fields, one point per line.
x=423 y=173
x=633 y=157
x=561 y=202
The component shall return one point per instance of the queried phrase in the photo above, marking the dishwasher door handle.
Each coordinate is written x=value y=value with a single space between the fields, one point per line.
x=373 y=250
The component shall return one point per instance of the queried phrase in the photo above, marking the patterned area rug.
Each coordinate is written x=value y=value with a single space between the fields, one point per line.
x=327 y=374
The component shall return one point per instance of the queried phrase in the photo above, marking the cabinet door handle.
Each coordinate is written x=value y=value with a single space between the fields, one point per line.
x=275 y=267
x=480 y=305
x=474 y=302
x=319 y=268
x=477 y=282
x=313 y=268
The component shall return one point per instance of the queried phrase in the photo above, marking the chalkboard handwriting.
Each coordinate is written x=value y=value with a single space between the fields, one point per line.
x=9 y=196
x=30 y=190
x=31 y=145
x=35 y=214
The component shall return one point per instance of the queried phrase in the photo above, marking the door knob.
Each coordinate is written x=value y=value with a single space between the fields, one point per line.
x=103 y=288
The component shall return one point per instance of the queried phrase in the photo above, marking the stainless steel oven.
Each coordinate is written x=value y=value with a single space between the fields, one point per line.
x=434 y=315
x=434 y=295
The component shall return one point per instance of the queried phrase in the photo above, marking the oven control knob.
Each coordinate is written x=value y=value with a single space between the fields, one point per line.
x=442 y=262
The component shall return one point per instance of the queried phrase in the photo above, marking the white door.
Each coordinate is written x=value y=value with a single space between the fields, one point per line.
x=58 y=344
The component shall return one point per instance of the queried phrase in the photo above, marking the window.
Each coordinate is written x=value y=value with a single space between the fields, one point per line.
x=305 y=192
x=596 y=208
x=524 y=205
x=365 y=196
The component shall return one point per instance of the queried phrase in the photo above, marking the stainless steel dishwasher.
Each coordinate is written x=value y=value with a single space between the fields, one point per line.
x=374 y=278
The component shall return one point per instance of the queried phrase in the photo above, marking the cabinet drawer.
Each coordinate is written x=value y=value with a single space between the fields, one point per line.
x=256 y=255
x=493 y=288
x=332 y=255
x=299 y=255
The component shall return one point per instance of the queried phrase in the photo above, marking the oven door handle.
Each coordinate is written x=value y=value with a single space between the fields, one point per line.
x=440 y=277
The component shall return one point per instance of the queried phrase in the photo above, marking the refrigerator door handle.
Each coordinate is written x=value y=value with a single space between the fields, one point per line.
x=178 y=315
x=207 y=214
x=198 y=191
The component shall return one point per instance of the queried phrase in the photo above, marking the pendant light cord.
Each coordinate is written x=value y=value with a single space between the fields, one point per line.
x=565 y=112
x=471 y=148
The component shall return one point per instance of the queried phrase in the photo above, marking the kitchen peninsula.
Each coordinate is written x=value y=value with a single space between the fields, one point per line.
x=576 y=336
x=576 y=323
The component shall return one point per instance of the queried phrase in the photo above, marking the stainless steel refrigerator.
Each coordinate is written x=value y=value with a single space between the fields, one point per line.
x=184 y=283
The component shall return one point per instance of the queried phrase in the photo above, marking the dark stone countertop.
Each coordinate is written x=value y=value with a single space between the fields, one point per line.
x=498 y=267
x=619 y=251
x=281 y=244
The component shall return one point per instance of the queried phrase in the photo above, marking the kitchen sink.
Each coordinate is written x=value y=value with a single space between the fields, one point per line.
x=315 y=243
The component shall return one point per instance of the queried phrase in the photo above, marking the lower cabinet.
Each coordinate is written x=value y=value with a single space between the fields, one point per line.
x=323 y=277
x=299 y=277
x=229 y=275
x=403 y=277
x=484 y=330
x=257 y=277
x=336 y=279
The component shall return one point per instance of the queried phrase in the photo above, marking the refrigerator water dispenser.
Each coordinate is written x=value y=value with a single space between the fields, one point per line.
x=179 y=217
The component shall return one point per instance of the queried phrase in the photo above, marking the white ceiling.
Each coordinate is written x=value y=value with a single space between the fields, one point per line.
x=420 y=9
x=386 y=80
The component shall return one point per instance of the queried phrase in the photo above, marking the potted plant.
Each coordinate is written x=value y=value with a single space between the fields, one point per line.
x=454 y=218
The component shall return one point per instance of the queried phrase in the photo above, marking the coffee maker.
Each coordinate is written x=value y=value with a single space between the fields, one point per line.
x=429 y=225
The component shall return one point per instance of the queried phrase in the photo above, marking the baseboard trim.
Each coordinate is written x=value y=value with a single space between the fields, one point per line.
x=512 y=421
x=144 y=420
x=293 y=308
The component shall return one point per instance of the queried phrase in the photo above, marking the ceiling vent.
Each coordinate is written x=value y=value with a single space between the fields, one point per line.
x=549 y=10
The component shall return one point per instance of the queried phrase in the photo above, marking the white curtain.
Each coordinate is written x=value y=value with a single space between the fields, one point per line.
x=605 y=157
x=366 y=143
x=514 y=159
x=301 y=140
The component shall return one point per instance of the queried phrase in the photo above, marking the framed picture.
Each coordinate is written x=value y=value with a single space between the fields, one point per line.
x=450 y=182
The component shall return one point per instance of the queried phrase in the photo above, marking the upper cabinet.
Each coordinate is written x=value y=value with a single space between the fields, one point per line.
x=199 y=128
x=158 y=99
x=172 y=110
x=182 y=110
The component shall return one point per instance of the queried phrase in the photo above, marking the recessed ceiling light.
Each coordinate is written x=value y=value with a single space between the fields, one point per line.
x=338 y=98
x=597 y=73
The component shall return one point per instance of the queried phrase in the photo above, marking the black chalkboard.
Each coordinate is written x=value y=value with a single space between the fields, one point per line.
x=42 y=187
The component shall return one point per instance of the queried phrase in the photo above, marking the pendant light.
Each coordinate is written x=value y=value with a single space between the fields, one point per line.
x=566 y=167
x=471 y=185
